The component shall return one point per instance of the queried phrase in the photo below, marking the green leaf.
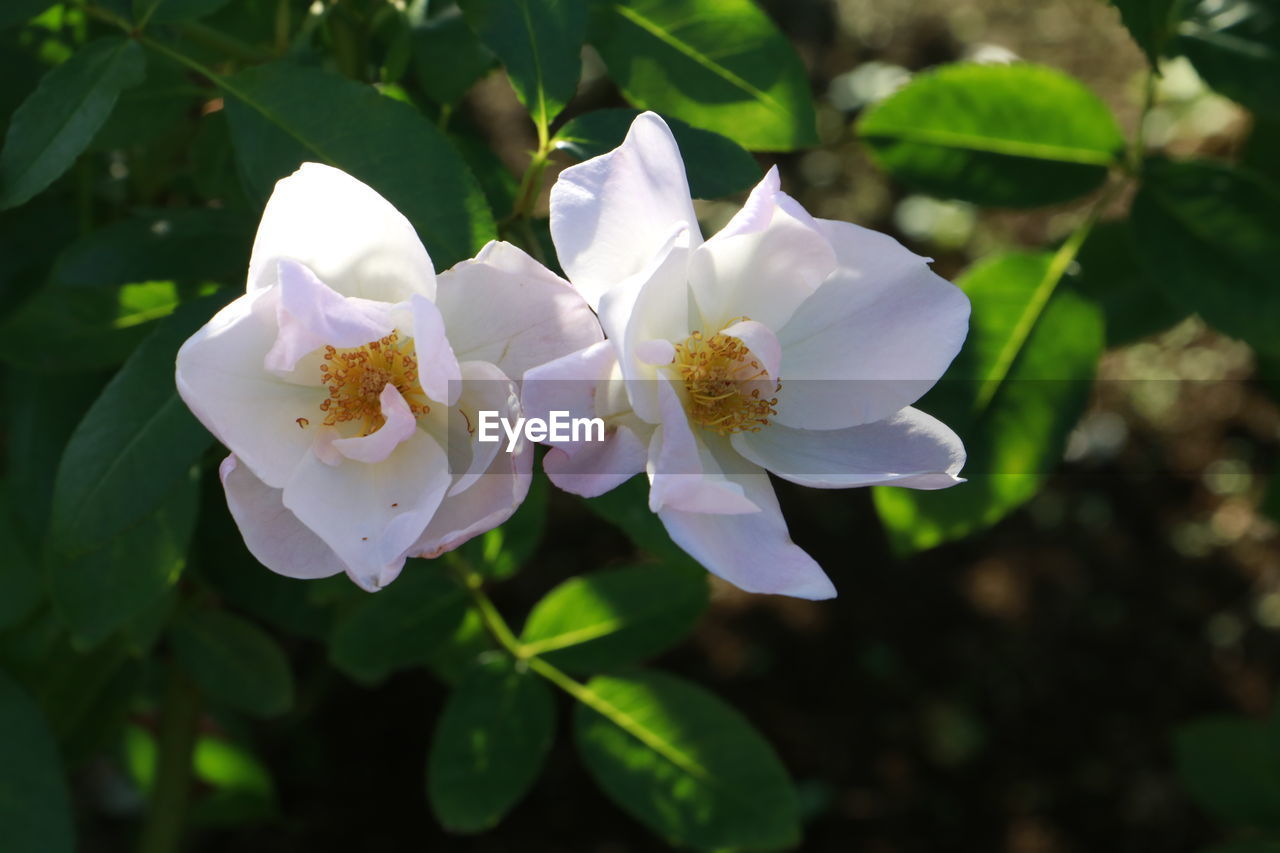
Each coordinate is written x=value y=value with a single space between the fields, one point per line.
x=1206 y=232
x=59 y=119
x=169 y=11
x=21 y=577
x=1150 y=22
x=20 y=11
x=448 y=58
x=491 y=741
x=275 y=127
x=720 y=65
x=540 y=44
x=1133 y=306
x=1014 y=135
x=1013 y=394
x=35 y=810
x=627 y=507
x=606 y=619
x=194 y=246
x=717 y=166
x=234 y=662
x=1231 y=766
x=399 y=626
x=684 y=763
x=135 y=442
x=1235 y=46
x=98 y=592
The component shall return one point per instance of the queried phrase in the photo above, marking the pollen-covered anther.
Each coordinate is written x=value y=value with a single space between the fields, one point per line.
x=725 y=381
x=356 y=376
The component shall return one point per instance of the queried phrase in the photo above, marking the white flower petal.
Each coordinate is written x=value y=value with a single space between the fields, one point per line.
x=751 y=551
x=310 y=315
x=592 y=468
x=769 y=258
x=612 y=213
x=875 y=336
x=438 y=371
x=399 y=426
x=683 y=473
x=274 y=536
x=652 y=304
x=255 y=414
x=371 y=515
x=353 y=239
x=484 y=387
x=909 y=449
x=506 y=308
x=488 y=502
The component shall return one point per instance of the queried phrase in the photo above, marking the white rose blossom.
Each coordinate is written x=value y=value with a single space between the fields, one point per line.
x=346 y=381
x=783 y=343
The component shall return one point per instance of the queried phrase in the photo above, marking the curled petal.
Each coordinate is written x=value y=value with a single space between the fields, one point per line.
x=310 y=314
x=612 y=213
x=399 y=426
x=910 y=449
x=352 y=238
x=438 y=371
x=593 y=468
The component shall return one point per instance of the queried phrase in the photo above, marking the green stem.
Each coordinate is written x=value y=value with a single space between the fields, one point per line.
x=531 y=182
x=473 y=583
x=179 y=723
x=1139 y=148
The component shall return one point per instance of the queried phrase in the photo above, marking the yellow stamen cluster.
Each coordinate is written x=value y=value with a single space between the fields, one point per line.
x=356 y=376
x=724 y=380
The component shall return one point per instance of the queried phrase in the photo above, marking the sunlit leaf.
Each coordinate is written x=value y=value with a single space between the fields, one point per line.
x=1014 y=135
x=720 y=65
x=685 y=764
x=540 y=44
x=606 y=619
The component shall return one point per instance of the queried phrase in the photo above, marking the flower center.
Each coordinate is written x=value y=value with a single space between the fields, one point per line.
x=357 y=375
x=726 y=383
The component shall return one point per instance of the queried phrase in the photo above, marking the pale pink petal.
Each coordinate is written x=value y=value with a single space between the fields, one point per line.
x=655 y=352
x=570 y=383
x=310 y=315
x=683 y=473
x=489 y=501
x=484 y=388
x=910 y=448
x=272 y=534
x=875 y=337
x=353 y=239
x=371 y=515
x=612 y=213
x=752 y=551
x=769 y=258
x=652 y=304
x=506 y=308
x=438 y=371
x=596 y=467
x=265 y=420
x=399 y=426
